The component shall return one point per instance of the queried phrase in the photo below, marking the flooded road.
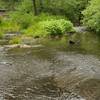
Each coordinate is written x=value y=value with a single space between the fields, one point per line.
x=54 y=71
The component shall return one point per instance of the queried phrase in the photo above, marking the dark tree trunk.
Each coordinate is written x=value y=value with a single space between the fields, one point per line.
x=35 y=8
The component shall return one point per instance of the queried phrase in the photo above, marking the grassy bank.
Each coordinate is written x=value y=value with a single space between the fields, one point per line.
x=41 y=26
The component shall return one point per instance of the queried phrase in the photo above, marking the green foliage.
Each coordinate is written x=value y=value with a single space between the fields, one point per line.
x=9 y=26
x=70 y=8
x=35 y=30
x=1 y=33
x=27 y=23
x=1 y=28
x=25 y=6
x=9 y=4
x=57 y=27
x=47 y=16
x=52 y=27
x=1 y=21
x=15 y=40
x=24 y=20
x=92 y=15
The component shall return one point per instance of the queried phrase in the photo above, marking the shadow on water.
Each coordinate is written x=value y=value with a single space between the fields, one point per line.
x=56 y=71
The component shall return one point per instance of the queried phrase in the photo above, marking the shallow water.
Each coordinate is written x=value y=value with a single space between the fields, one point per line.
x=54 y=71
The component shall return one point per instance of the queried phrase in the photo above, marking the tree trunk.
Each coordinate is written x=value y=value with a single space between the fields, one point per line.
x=35 y=8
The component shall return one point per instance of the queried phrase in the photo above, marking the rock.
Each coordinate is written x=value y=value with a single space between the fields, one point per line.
x=71 y=42
x=80 y=29
x=21 y=46
x=5 y=63
x=29 y=46
x=25 y=46
x=36 y=37
x=11 y=46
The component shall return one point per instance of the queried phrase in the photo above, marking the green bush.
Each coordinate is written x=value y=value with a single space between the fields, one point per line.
x=57 y=27
x=50 y=28
x=25 y=6
x=7 y=25
x=16 y=21
x=10 y=26
x=92 y=15
x=35 y=30
x=24 y=20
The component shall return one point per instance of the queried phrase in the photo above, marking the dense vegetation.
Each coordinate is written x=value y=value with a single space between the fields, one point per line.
x=46 y=17
x=70 y=8
x=92 y=15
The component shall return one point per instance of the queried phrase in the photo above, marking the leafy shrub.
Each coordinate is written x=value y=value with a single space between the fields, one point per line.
x=10 y=26
x=50 y=28
x=7 y=25
x=35 y=30
x=25 y=6
x=24 y=20
x=57 y=27
x=16 y=21
x=27 y=22
x=92 y=15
